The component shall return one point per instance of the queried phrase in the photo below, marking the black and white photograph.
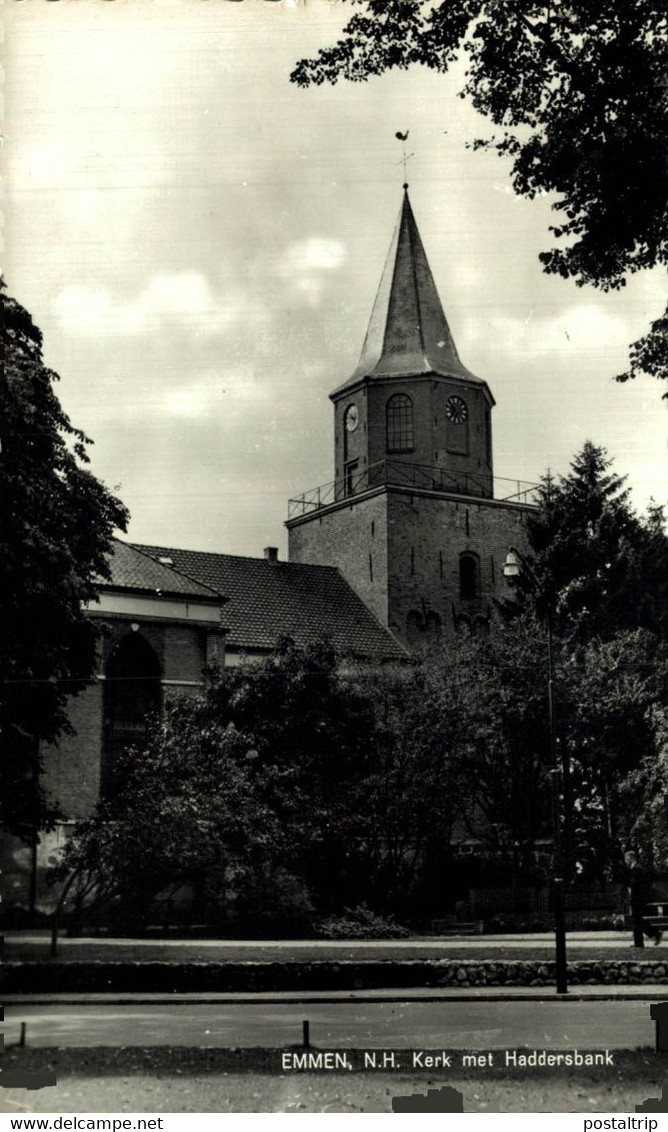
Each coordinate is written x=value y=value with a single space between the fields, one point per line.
x=333 y=716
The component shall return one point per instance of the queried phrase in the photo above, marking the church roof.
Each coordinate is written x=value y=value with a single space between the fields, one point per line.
x=268 y=599
x=408 y=332
x=132 y=569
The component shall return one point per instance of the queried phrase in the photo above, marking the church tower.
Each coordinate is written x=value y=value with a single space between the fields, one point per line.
x=411 y=519
x=410 y=402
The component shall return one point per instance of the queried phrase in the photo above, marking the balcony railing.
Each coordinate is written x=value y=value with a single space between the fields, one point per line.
x=426 y=477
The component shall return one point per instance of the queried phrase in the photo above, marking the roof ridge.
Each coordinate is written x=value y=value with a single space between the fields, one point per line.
x=223 y=554
x=412 y=233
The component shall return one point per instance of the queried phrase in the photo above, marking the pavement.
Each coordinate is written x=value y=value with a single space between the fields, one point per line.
x=489 y=1023
x=638 y=992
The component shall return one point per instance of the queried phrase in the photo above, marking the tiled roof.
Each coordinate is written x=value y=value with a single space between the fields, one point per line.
x=131 y=569
x=408 y=332
x=268 y=599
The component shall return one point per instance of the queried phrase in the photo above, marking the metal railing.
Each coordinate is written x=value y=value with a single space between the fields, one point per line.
x=425 y=477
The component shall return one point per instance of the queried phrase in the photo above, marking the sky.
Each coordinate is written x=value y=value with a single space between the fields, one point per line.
x=201 y=242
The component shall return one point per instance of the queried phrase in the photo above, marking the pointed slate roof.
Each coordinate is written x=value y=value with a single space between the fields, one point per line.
x=408 y=332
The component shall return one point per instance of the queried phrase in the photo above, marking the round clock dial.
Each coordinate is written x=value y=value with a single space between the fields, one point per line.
x=352 y=418
x=456 y=410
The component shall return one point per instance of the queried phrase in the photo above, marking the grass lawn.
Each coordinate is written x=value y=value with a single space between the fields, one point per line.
x=166 y=1080
x=72 y=951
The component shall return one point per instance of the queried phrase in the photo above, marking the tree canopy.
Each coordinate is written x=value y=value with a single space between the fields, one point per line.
x=56 y=530
x=291 y=789
x=577 y=93
x=287 y=791
x=248 y=792
x=602 y=578
x=603 y=567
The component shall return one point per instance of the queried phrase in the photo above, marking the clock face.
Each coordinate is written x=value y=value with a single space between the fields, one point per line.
x=456 y=410
x=352 y=418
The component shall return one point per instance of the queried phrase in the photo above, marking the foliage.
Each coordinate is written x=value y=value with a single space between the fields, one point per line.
x=284 y=792
x=608 y=693
x=578 y=95
x=599 y=573
x=601 y=568
x=502 y=752
x=251 y=787
x=649 y=353
x=57 y=525
x=645 y=792
x=182 y=809
x=410 y=790
x=361 y=923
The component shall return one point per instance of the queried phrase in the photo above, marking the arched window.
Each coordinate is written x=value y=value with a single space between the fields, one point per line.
x=400 y=431
x=132 y=694
x=469 y=576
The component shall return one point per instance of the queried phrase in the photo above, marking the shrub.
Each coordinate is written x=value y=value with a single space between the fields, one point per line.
x=361 y=923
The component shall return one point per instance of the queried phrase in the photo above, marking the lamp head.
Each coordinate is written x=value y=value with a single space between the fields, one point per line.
x=512 y=567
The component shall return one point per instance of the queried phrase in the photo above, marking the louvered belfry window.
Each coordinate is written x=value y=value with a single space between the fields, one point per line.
x=400 y=430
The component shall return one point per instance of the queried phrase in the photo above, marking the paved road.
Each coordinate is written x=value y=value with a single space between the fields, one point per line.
x=459 y=1025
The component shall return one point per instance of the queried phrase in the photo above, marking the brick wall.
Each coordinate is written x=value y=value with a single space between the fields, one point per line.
x=434 y=434
x=352 y=536
x=184 y=652
x=72 y=767
x=427 y=535
x=415 y=542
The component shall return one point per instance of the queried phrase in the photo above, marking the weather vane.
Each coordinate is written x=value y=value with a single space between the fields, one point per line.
x=403 y=138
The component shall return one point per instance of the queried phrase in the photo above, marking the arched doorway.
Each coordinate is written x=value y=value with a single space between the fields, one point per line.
x=132 y=694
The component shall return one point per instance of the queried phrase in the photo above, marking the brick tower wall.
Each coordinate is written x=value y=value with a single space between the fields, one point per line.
x=426 y=537
x=352 y=536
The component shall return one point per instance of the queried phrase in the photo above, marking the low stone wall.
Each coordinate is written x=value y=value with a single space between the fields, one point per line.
x=60 y=977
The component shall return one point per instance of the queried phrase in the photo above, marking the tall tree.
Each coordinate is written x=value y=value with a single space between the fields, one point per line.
x=57 y=522
x=603 y=567
x=609 y=693
x=577 y=90
x=600 y=573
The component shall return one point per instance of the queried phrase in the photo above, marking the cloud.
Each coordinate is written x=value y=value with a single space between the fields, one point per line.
x=228 y=396
x=317 y=253
x=578 y=329
x=305 y=264
x=184 y=299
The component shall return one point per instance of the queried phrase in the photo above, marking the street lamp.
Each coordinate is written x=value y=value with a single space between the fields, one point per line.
x=514 y=567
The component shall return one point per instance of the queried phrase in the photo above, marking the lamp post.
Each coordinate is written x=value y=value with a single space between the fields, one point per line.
x=517 y=566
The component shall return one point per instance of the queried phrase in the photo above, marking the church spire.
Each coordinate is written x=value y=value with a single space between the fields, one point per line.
x=408 y=332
